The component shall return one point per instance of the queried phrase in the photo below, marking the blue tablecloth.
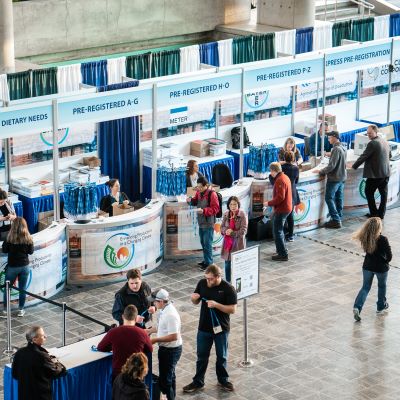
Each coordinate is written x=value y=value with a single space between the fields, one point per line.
x=32 y=206
x=90 y=381
x=396 y=127
x=205 y=168
x=236 y=157
x=18 y=208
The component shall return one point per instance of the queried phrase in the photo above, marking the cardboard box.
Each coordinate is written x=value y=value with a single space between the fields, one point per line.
x=45 y=219
x=329 y=118
x=305 y=166
x=199 y=148
x=119 y=209
x=200 y=154
x=92 y=162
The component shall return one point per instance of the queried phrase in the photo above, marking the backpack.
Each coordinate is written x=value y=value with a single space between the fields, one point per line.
x=219 y=195
x=235 y=136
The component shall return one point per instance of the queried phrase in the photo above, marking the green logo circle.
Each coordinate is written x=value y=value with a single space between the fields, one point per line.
x=117 y=254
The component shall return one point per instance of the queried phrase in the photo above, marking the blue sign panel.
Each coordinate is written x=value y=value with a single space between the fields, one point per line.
x=216 y=87
x=16 y=121
x=105 y=106
x=293 y=72
x=355 y=58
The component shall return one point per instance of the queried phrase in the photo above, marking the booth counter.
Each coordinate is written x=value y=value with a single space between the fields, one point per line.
x=48 y=264
x=181 y=231
x=102 y=250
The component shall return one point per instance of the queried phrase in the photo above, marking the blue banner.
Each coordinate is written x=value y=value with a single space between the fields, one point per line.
x=291 y=72
x=205 y=89
x=105 y=106
x=358 y=57
x=22 y=120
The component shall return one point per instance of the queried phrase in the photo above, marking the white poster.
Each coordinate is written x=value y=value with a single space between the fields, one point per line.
x=82 y=133
x=259 y=100
x=379 y=76
x=342 y=83
x=245 y=272
x=116 y=251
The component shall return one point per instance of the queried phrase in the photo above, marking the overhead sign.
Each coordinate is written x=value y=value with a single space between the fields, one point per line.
x=358 y=56
x=288 y=73
x=105 y=106
x=211 y=88
x=22 y=120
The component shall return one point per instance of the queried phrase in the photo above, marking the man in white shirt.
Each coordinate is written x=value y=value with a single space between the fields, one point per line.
x=169 y=340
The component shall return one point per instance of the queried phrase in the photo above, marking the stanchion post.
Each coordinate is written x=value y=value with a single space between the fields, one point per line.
x=9 y=351
x=64 y=323
x=241 y=125
x=246 y=363
x=390 y=84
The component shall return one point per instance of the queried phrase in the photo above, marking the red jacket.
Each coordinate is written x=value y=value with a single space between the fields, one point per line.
x=282 y=194
x=212 y=208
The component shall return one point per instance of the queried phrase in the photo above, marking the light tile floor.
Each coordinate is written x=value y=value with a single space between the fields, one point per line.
x=302 y=336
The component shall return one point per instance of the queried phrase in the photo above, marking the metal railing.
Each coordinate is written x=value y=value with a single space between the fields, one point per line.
x=64 y=307
x=362 y=5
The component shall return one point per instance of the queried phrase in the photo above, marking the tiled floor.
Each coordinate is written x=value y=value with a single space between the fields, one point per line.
x=302 y=337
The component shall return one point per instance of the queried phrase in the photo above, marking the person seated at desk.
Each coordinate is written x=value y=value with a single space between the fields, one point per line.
x=314 y=136
x=192 y=173
x=7 y=214
x=290 y=145
x=115 y=197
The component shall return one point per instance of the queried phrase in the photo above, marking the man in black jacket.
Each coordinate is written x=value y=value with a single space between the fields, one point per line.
x=135 y=292
x=376 y=170
x=34 y=368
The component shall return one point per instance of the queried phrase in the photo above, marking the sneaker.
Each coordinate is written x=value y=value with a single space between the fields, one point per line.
x=192 y=387
x=280 y=258
x=201 y=264
x=203 y=267
x=3 y=314
x=290 y=239
x=383 y=310
x=356 y=314
x=226 y=386
x=332 y=224
x=21 y=313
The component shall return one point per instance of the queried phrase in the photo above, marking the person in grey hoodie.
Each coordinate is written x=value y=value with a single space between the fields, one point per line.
x=336 y=175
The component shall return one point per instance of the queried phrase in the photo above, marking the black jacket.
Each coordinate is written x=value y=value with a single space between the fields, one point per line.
x=34 y=368
x=125 y=388
x=379 y=260
x=107 y=201
x=17 y=253
x=292 y=172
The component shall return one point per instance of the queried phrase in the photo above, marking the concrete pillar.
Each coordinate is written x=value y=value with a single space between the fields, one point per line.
x=7 y=59
x=289 y=14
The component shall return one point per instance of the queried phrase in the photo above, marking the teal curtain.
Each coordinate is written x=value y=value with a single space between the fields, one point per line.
x=264 y=46
x=165 y=63
x=138 y=66
x=362 y=29
x=44 y=81
x=19 y=85
x=340 y=31
x=242 y=49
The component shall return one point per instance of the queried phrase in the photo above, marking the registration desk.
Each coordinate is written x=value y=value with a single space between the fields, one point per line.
x=48 y=264
x=88 y=378
x=104 y=249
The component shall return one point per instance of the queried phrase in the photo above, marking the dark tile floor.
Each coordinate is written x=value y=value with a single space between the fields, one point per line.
x=302 y=337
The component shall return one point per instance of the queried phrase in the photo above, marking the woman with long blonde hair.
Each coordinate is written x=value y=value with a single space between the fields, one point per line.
x=18 y=245
x=378 y=255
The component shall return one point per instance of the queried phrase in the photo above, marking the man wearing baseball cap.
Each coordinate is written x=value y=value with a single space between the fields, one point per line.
x=336 y=175
x=169 y=341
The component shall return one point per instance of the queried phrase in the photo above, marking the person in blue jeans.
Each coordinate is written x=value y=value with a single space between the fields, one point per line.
x=218 y=301
x=18 y=245
x=336 y=175
x=207 y=204
x=376 y=263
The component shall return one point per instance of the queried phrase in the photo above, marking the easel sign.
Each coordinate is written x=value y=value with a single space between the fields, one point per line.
x=245 y=266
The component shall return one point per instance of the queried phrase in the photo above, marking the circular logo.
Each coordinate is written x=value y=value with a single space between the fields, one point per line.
x=119 y=251
x=14 y=293
x=361 y=190
x=256 y=99
x=47 y=140
x=301 y=210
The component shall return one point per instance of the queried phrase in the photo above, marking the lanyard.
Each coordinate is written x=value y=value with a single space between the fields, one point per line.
x=214 y=318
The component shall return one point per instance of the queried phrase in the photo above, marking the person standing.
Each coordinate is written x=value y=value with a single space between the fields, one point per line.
x=376 y=263
x=169 y=341
x=207 y=204
x=192 y=173
x=376 y=170
x=129 y=384
x=7 y=214
x=136 y=292
x=336 y=176
x=18 y=246
x=125 y=340
x=218 y=301
x=233 y=228
x=34 y=368
x=282 y=202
